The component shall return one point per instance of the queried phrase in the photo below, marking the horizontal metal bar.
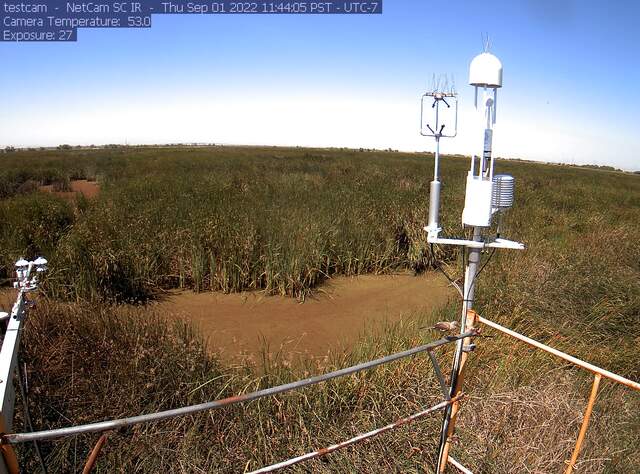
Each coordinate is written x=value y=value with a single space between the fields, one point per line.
x=506 y=244
x=474 y=244
x=13 y=438
x=461 y=242
x=574 y=360
x=356 y=439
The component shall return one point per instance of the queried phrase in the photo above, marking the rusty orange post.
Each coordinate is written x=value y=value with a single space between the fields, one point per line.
x=585 y=423
x=10 y=459
x=95 y=452
x=8 y=454
x=472 y=318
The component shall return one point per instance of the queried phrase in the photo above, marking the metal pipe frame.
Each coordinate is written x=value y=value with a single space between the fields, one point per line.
x=356 y=439
x=95 y=452
x=8 y=364
x=459 y=466
x=597 y=371
x=27 y=281
x=574 y=360
x=585 y=424
x=15 y=438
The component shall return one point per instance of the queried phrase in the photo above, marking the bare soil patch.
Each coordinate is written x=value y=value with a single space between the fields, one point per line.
x=7 y=298
x=88 y=189
x=240 y=325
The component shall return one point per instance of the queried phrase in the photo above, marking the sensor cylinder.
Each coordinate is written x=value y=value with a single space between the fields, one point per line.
x=434 y=205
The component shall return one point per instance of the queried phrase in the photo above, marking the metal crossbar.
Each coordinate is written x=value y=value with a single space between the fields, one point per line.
x=597 y=371
x=574 y=360
x=14 y=438
x=357 y=439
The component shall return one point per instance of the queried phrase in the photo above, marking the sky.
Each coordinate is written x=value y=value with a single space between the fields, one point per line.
x=570 y=91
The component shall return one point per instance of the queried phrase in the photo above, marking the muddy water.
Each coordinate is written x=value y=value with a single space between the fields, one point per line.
x=240 y=325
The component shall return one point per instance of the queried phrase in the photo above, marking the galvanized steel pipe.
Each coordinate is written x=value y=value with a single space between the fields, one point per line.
x=14 y=438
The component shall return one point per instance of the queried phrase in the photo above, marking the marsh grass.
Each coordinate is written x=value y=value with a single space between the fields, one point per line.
x=282 y=221
x=85 y=380
x=229 y=219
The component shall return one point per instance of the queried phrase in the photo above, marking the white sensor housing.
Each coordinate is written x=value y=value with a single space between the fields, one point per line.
x=477 y=201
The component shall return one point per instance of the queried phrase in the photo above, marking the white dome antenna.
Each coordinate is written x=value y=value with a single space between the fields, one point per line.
x=485 y=71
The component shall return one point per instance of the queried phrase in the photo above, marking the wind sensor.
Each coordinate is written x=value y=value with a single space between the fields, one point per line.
x=442 y=108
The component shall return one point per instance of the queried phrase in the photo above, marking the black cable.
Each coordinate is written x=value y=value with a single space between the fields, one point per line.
x=456 y=368
x=493 y=251
x=439 y=267
x=27 y=417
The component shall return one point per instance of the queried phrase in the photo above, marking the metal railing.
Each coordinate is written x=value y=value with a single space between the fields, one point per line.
x=598 y=372
x=8 y=361
x=357 y=439
x=15 y=438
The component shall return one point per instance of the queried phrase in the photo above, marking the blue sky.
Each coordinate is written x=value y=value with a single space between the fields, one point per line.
x=571 y=80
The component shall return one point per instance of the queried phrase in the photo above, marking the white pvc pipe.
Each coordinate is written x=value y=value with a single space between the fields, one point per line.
x=459 y=466
x=354 y=440
x=574 y=360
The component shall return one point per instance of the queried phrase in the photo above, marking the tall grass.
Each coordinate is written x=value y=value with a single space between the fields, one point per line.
x=114 y=361
x=237 y=219
x=283 y=220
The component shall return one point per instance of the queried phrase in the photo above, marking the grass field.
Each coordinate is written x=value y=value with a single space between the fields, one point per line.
x=283 y=220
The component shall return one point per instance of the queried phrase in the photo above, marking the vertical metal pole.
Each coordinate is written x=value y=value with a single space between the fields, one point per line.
x=9 y=358
x=8 y=362
x=436 y=168
x=585 y=423
x=448 y=427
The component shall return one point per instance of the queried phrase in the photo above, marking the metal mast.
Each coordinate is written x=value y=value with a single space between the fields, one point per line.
x=485 y=196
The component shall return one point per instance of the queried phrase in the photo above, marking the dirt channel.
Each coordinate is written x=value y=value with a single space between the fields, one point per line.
x=241 y=325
